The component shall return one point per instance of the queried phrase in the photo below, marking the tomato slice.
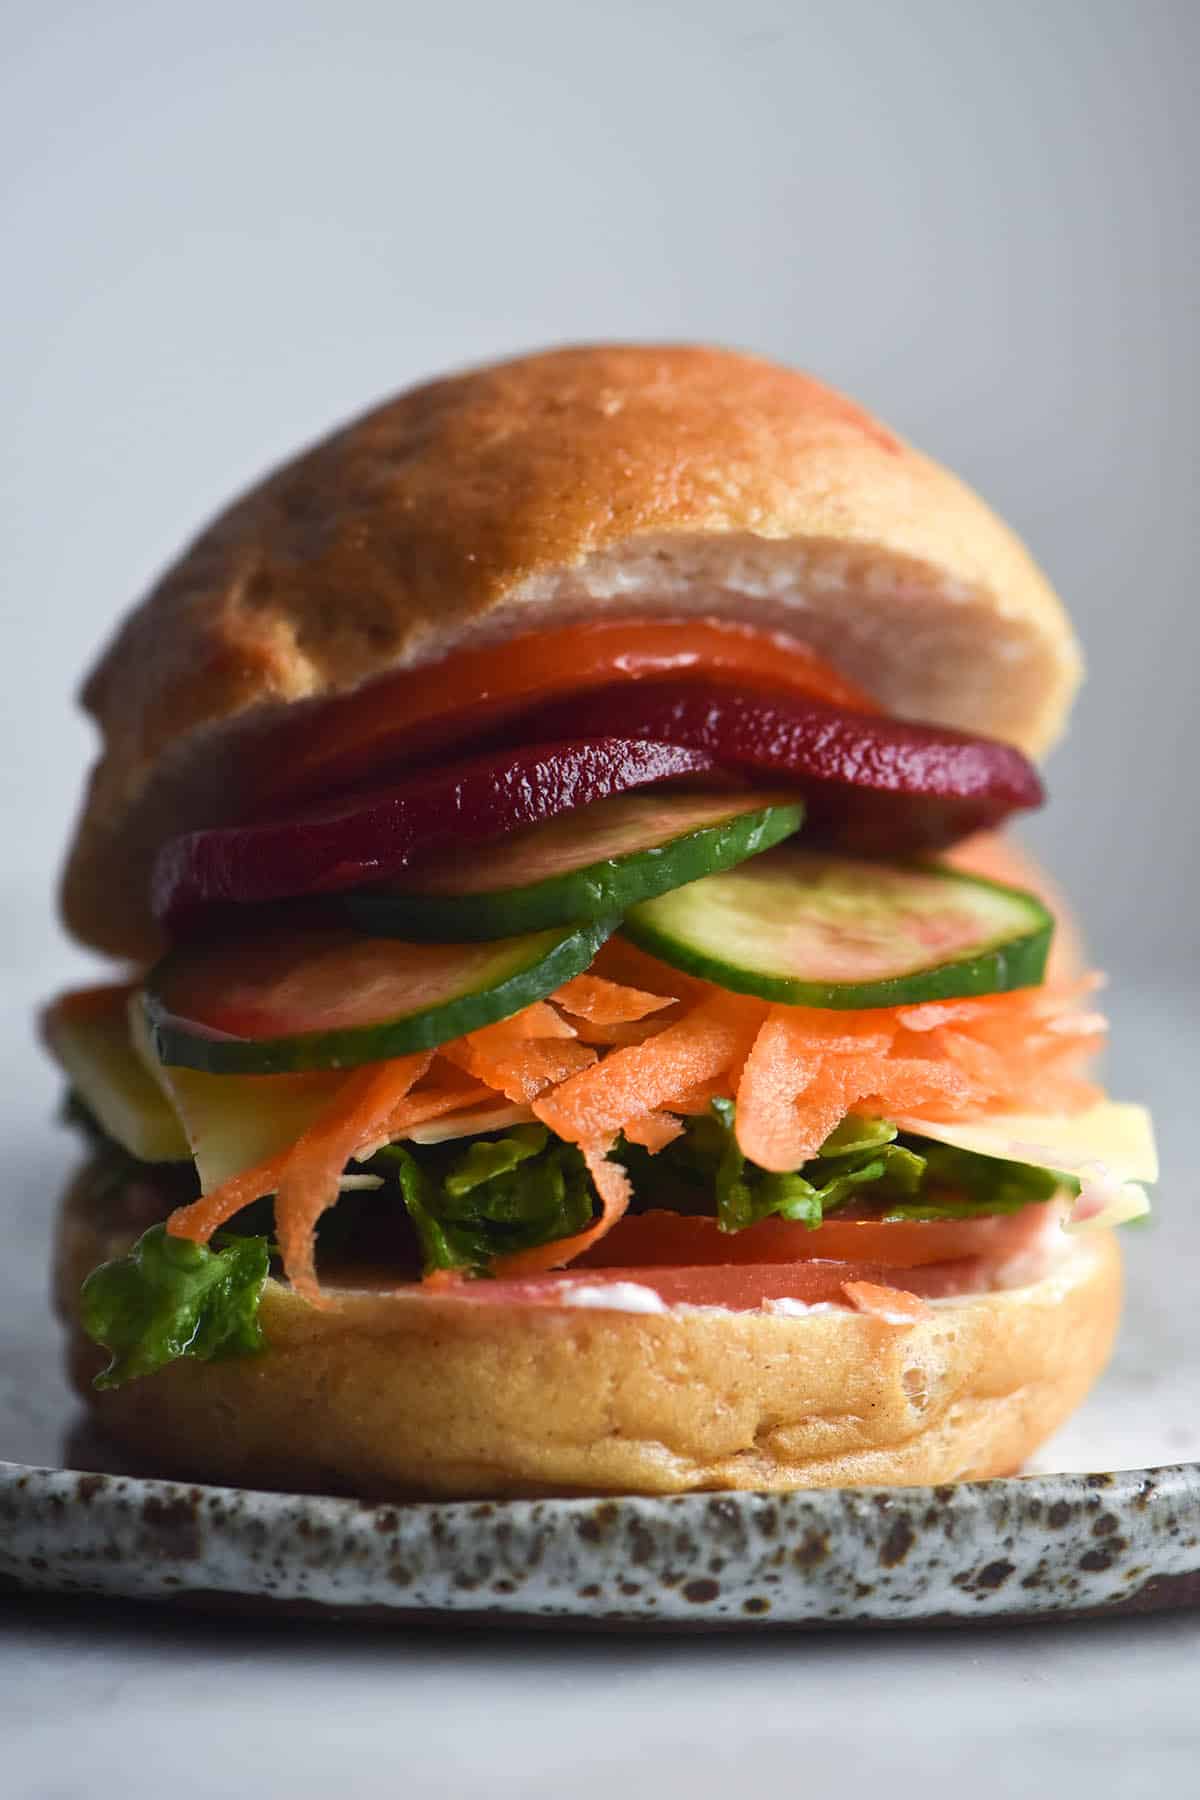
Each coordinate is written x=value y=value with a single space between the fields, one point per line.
x=418 y=710
x=744 y=1287
x=651 y=1240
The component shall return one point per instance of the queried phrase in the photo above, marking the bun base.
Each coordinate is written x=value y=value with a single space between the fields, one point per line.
x=389 y=1395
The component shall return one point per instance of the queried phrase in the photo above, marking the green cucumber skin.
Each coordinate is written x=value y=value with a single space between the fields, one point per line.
x=178 y=1044
x=1018 y=963
x=600 y=890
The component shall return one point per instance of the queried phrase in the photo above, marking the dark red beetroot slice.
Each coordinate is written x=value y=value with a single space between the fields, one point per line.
x=368 y=837
x=872 y=784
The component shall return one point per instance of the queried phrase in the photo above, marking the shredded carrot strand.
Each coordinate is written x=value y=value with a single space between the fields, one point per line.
x=699 y=1098
x=519 y=1068
x=308 y=1184
x=418 y=1107
x=537 y=1021
x=202 y=1217
x=653 y=1132
x=305 y=1178
x=893 y=1305
x=607 y=1002
x=617 y=1037
x=943 y=1059
x=593 y=1107
x=620 y=961
x=776 y=1073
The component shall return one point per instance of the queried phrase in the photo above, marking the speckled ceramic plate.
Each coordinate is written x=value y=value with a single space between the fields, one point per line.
x=1063 y=1540
x=1044 y=1547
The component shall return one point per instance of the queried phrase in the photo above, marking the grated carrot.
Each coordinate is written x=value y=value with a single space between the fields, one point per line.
x=310 y=1175
x=433 y=1104
x=942 y=1059
x=698 y=1099
x=520 y=1068
x=654 y=1131
x=711 y=1040
x=892 y=1305
x=621 y=961
x=617 y=1037
x=537 y=1021
x=305 y=1178
x=607 y=1002
x=202 y=1217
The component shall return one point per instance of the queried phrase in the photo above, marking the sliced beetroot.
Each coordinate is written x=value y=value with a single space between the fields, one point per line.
x=370 y=836
x=872 y=784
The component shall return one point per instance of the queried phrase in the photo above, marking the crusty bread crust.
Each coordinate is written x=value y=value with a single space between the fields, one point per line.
x=418 y=1395
x=588 y=480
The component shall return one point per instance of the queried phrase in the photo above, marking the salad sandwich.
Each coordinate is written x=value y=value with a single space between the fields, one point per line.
x=580 y=1025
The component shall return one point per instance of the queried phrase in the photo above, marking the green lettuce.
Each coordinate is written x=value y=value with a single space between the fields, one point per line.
x=705 y=1172
x=473 y=1200
x=499 y=1195
x=170 y=1298
x=960 y=1184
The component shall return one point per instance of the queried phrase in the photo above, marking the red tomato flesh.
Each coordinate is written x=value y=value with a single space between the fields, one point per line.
x=653 y=1239
x=742 y=1287
x=415 y=711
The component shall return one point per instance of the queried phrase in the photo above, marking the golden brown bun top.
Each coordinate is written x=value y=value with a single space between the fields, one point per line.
x=605 y=478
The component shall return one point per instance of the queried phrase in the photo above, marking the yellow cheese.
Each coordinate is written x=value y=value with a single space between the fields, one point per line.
x=1115 y=1136
x=235 y=1121
x=91 y=1044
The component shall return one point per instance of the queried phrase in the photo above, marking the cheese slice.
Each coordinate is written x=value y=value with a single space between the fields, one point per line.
x=234 y=1121
x=1113 y=1136
x=88 y=1036
x=466 y=1124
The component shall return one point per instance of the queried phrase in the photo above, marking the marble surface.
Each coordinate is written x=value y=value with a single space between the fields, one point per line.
x=112 y=1702
x=107 y=1698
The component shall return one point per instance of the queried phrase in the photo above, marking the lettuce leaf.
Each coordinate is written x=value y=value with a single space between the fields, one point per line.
x=473 y=1200
x=961 y=1184
x=170 y=1298
x=704 y=1172
x=499 y=1195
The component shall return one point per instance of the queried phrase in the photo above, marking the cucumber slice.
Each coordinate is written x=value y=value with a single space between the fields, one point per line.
x=593 y=862
x=813 y=930
x=272 y=1004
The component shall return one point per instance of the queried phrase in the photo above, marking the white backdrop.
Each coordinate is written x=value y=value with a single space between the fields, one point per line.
x=225 y=226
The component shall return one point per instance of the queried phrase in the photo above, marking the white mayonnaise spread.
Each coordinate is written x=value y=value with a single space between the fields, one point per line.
x=615 y=1296
x=798 y=1309
x=1043 y=1256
